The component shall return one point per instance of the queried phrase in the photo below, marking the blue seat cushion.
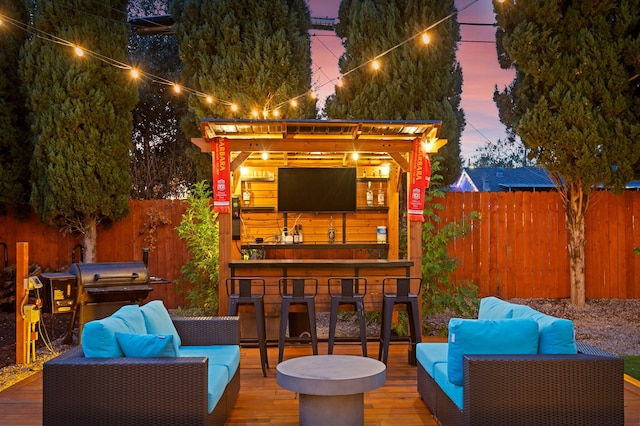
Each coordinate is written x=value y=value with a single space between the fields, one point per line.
x=146 y=345
x=216 y=383
x=453 y=391
x=478 y=337
x=158 y=321
x=557 y=335
x=99 y=336
x=494 y=308
x=227 y=356
x=429 y=354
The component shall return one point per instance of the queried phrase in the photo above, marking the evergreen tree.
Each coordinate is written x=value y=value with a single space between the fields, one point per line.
x=252 y=53
x=415 y=81
x=80 y=114
x=160 y=166
x=573 y=98
x=15 y=150
x=507 y=153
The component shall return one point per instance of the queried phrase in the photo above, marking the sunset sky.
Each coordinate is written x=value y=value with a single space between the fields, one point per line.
x=479 y=66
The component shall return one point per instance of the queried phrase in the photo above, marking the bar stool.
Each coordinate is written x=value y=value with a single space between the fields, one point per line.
x=402 y=296
x=297 y=291
x=240 y=292
x=351 y=295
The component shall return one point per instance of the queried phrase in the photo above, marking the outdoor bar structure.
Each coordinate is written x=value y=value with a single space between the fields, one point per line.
x=318 y=198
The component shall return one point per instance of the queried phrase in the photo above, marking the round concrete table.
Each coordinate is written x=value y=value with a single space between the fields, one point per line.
x=331 y=387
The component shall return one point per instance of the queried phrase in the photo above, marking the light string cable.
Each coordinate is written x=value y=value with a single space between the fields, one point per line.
x=43 y=35
x=157 y=79
x=380 y=55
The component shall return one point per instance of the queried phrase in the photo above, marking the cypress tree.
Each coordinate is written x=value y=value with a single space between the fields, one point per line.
x=15 y=150
x=574 y=100
x=80 y=114
x=254 y=54
x=415 y=81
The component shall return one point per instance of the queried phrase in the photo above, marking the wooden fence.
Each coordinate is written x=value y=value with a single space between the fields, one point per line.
x=519 y=248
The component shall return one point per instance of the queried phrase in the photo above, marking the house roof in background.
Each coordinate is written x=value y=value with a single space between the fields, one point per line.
x=500 y=179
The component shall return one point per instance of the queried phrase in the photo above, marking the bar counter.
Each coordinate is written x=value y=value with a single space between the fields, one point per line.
x=374 y=270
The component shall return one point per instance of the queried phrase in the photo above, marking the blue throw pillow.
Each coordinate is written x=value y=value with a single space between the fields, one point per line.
x=494 y=308
x=146 y=345
x=99 y=336
x=481 y=337
x=158 y=321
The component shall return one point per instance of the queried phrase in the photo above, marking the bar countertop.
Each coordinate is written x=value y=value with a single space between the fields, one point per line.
x=321 y=263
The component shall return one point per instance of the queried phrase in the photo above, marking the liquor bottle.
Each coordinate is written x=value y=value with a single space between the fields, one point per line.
x=380 y=195
x=246 y=195
x=296 y=235
x=299 y=234
x=369 y=195
x=332 y=231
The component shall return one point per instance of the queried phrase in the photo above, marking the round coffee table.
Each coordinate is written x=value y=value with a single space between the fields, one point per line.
x=331 y=387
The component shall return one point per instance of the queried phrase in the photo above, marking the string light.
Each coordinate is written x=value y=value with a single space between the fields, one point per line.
x=339 y=81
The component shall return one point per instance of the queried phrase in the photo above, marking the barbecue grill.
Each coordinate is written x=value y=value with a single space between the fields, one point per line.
x=102 y=288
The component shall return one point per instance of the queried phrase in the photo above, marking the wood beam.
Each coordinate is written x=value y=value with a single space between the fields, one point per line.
x=237 y=162
x=399 y=158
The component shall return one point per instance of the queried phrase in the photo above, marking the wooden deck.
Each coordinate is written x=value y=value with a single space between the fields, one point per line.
x=263 y=402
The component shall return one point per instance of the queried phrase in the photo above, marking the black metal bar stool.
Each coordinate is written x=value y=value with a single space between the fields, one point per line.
x=240 y=292
x=402 y=296
x=297 y=291
x=352 y=292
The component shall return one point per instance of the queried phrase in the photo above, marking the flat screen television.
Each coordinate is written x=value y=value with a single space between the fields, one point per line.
x=317 y=189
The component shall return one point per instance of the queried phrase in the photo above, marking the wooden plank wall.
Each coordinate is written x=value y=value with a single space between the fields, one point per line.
x=518 y=249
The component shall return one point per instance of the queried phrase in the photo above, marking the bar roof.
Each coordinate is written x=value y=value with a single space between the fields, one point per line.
x=329 y=141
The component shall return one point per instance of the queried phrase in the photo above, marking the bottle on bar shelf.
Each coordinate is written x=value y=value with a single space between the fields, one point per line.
x=380 y=195
x=369 y=195
x=332 y=231
x=246 y=195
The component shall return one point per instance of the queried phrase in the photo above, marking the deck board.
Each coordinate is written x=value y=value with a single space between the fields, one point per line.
x=263 y=402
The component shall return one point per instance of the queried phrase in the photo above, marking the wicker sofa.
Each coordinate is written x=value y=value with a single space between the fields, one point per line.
x=133 y=390
x=578 y=385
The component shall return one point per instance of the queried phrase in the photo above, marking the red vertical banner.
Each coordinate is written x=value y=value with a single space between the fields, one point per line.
x=420 y=178
x=221 y=176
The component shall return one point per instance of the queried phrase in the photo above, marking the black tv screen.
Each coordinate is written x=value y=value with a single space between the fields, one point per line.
x=322 y=189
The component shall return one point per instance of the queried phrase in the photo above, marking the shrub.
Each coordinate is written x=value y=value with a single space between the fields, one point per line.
x=199 y=228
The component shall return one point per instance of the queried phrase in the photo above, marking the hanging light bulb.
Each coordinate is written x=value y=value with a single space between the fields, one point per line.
x=355 y=156
x=312 y=95
x=339 y=83
x=176 y=88
x=375 y=64
x=294 y=103
x=234 y=107
x=265 y=155
x=79 y=51
x=425 y=38
x=209 y=99
x=276 y=113
x=255 y=113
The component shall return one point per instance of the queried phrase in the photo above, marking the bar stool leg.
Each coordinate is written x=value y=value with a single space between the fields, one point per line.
x=311 y=310
x=415 y=329
x=262 y=339
x=284 y=319
x=333 y=320
x=387 y=315
x=363 y=325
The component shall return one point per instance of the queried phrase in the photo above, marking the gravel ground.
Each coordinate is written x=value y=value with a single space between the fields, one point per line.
x=609 y=324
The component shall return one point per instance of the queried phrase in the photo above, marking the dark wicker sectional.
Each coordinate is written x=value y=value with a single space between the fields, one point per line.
x=140 y=391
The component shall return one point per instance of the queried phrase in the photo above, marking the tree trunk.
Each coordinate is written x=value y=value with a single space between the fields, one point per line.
x=576 y=202
x=90 y=239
